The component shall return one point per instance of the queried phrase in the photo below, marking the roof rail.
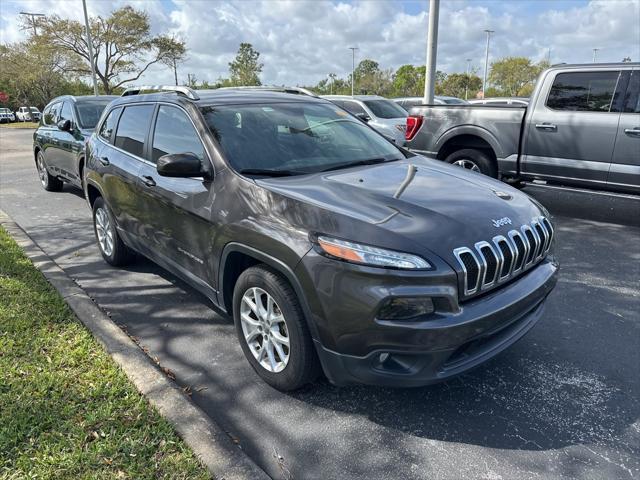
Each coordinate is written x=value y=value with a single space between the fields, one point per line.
x=273 y=88
x=188 y=92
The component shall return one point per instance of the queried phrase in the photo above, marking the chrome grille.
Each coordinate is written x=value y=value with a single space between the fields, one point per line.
x=488 y=264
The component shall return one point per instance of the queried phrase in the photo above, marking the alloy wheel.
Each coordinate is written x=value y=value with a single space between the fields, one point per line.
x=104 y=231
x=467 y=164
x=265 y=329
x=42 y=170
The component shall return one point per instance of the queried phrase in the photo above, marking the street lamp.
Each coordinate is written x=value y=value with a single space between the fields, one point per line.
x=353 y=67
x=432 y=50
x=486 y=61
x=466 y=83
x=332 y=79
x=33 y=20
x=90 y=47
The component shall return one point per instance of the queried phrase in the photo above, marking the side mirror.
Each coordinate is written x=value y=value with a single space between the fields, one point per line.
x=64 y=125
x=181 y=165
x=363 y=116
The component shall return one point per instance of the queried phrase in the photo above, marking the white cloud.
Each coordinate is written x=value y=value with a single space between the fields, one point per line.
x=302 y=41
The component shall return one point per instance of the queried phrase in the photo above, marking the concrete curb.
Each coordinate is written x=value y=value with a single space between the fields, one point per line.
x=210 y=442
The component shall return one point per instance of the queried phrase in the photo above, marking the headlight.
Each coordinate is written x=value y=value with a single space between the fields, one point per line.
x=368 y=255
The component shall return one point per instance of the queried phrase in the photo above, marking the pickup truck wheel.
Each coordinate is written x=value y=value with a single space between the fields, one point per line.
x=272 y=330
x=474 y=160
x=111 y=246
x=48 y=181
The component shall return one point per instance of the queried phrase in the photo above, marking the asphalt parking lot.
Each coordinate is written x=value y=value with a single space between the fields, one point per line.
x=564 y=402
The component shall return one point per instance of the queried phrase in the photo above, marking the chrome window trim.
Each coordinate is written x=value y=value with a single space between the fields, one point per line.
x=154 y=103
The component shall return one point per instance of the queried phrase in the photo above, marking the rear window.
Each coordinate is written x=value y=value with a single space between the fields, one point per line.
x=583 y=91
x=385 y=109
x=299 y=137
x=132 y=128
x=89 y=112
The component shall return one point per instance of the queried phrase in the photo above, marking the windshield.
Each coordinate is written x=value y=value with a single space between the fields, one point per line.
x=385 y=108
x=4 y=110
x=34 y=109
x=89 y=112
x=294 y=137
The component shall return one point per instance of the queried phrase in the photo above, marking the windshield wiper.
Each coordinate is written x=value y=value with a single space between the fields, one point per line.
x=369 y=161
x=270 y=172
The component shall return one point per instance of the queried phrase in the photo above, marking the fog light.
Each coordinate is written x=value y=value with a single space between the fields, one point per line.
x=405 y=308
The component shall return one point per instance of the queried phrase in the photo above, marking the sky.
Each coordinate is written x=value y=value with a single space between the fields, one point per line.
x=301 y=41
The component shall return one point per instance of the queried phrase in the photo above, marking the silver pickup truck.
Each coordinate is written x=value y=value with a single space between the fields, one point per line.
x=582 y=127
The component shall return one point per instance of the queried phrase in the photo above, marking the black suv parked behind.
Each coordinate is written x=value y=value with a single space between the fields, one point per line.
x=58 y=142
x=332 y=248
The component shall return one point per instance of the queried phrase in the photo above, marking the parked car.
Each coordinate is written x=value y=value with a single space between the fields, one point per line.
x=380 y=113
x=408 y=102
x=512 y=101
x=580 y=128
x=23 y=114
x=6 y=116
x=35 y=114
x=59 y=140
x=333 y=249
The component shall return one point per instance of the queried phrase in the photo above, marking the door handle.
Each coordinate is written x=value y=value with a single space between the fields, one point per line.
x=635 y=132
x=148 y=181
x=104 y=161
x=546 y=126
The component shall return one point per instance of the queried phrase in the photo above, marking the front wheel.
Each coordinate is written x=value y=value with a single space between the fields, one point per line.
x=272 y=329
x=111 y=246
x=474 y=160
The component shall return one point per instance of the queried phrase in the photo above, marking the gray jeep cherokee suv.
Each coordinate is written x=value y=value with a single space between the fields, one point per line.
x=333 y=249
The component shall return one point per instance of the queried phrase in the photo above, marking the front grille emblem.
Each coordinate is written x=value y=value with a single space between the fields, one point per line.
x=501 y=222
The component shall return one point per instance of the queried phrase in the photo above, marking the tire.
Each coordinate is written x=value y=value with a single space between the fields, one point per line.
x=475 y=160
x=48 y=181
x=300 y=364
x=111 y=246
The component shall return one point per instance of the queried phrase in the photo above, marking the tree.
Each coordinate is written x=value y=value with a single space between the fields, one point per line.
x=461 y=85
x=515 y=76
x=175 y=53
x=123 y=47
x=408 y=81
x=30 y=75
x=371 y=80
x=245 y=67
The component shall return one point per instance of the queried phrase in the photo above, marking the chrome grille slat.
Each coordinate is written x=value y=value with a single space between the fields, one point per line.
x=488 y=264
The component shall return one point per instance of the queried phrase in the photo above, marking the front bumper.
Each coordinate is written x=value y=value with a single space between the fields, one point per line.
x=451 y=341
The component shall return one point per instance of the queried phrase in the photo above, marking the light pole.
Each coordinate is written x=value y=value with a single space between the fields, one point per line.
x=353 y=67
x=332 y=78
x=595 y=54
x=432 y=50
x=90 y=47
x=486 y=61
x=33 y=20
x=466 y=83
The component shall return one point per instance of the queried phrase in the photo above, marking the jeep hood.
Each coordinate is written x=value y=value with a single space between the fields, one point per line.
x=436 y=205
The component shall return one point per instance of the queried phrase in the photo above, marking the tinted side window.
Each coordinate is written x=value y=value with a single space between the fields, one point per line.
x=583 y=91
x=632 y=96
x=133 y=127
x=353 y=107
x=174 y=133
x=106 y=129
x=66 y=112
x=51 y=114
